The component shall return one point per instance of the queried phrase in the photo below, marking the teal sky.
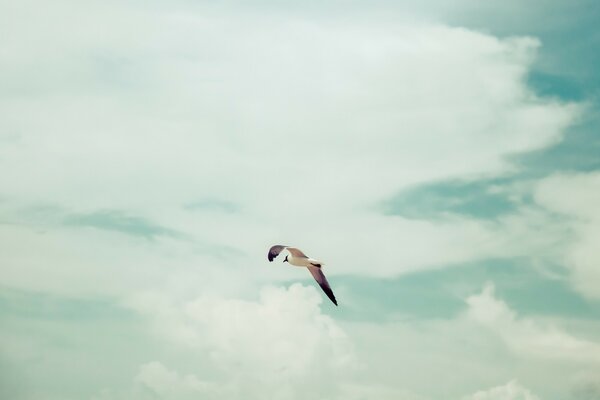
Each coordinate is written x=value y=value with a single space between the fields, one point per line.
x=442 y=160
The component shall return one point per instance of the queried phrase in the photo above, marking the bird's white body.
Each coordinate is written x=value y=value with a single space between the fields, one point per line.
x=303 y=261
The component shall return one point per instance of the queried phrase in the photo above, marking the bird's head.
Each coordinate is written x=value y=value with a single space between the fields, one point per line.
x=286 y=260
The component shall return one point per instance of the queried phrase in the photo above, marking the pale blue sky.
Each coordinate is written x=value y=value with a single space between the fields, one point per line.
x=442 y=160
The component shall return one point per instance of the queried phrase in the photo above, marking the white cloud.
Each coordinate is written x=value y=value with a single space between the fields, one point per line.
x=511 y=391
x=305 y=125
x=280 y=346
x=528 y=336
x=576 y=196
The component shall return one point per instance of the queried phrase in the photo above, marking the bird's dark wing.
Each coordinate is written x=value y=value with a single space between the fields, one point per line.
x=322 y=281
x=274 y=251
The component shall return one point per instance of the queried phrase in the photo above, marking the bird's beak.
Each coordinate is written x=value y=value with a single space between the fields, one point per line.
x=286 y=259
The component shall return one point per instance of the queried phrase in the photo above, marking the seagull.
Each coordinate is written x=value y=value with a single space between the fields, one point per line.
x=299 y=259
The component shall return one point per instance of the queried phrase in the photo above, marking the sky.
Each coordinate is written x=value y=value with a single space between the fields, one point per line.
x=441 y=158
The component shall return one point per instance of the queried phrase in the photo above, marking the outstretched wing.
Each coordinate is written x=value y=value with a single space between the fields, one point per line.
x=322 y=281
x=296 y=252
x=274 y=251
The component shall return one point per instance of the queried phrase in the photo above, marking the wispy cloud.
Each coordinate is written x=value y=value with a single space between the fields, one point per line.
x=485 y=199
x=53 y=216
x=117 y=221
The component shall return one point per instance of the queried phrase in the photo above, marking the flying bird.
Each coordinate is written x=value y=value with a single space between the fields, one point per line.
x=299 y=259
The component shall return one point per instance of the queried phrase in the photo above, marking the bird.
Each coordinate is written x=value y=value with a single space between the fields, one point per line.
x=299 y=259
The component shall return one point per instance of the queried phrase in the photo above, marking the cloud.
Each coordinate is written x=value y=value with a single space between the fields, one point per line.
x=117 y=221
x=305 y=125
x=357 y=359
x=53 y=217
x=576 y=198
x=270 y=347
x=511 y=391
x=237 y=129
x=527 y=336
x=478 y=199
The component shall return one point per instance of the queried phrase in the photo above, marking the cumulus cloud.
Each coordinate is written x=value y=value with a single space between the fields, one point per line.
x=273 y=346
x=511 y=391
x=527 y=336
x=576 y=198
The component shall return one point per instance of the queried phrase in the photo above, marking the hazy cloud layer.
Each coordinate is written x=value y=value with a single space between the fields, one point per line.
x=295 y=120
